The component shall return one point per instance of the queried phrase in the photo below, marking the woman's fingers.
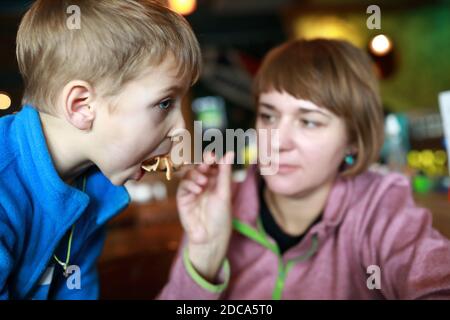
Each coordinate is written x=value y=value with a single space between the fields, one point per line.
x=224 y=175
x=190 y=186
x=193 y=176
x=198 y=177
x=203 y=197
x=203 y=167
x=212 y=174
x=209 y=158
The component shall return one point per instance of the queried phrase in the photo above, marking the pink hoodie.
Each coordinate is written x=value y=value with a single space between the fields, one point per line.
x=372 y=243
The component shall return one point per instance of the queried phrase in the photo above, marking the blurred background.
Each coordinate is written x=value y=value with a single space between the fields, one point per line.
x=410 y=49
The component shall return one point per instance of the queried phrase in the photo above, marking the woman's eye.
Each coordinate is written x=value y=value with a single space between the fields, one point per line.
x=310 y=124
x=267 y=118
x=166 y=104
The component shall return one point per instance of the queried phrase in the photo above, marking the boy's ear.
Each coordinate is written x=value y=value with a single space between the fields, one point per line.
x=77 y=104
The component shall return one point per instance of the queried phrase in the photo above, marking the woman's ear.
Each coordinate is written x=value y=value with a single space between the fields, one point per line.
x=77 y=98
x=352 y=149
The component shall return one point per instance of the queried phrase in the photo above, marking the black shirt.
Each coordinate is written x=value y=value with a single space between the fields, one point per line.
x=283 y=240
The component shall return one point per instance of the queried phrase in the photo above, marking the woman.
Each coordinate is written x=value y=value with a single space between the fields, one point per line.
x=323 y=226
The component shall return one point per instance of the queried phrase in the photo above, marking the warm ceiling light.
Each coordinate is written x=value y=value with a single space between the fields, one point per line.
x=380 y=45
x=184 y=7
x=5 y=101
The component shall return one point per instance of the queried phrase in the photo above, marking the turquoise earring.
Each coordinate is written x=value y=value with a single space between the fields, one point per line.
x=350 y=160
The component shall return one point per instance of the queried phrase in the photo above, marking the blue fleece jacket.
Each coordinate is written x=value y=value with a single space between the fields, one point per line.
x=37 y=211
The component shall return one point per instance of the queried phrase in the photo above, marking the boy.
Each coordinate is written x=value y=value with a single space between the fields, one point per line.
x=98 y=101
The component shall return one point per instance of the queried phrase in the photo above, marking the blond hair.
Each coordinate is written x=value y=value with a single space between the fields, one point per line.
x=115 y=41
x=337 y=76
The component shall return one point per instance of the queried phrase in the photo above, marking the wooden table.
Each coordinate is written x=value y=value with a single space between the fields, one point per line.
x=439 y=205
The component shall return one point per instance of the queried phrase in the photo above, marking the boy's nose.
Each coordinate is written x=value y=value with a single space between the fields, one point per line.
x=180 y=124
x=162 y=149
x=178 y=127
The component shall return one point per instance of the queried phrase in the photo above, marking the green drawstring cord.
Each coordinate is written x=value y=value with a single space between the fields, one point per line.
x=65 y=265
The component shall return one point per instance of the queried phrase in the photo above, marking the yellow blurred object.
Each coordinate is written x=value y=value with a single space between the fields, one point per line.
x=5 y=101
x=250 y=155
x=431 y=163
x=427 y=158
x=431 y=171
x=440 y=157
x=329 y=27
x=414 y=159
x=184 y=7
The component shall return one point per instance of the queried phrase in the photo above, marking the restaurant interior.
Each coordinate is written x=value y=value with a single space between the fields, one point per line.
x=408 y=41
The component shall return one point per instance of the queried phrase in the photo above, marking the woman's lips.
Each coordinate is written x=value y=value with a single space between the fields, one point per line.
x=287 y=168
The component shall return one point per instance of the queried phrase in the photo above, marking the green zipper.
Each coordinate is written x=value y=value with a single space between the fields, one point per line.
x=259 y=235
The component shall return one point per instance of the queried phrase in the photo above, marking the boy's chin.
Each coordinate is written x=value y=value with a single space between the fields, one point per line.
x=118 y=179
x=118 y=182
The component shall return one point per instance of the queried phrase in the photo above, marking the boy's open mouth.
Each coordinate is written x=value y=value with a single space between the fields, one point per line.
x=160 y=163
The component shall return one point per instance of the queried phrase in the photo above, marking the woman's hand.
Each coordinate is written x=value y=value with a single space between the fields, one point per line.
x=204 y=204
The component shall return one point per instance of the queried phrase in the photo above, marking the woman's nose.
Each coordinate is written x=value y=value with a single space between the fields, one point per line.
x=285 y=133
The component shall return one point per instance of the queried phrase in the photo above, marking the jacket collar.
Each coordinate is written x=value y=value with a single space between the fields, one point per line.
x=61 y=205
x=63 y=202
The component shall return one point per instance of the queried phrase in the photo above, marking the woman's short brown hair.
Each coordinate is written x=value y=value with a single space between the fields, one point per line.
x=337 y=76
x=115 y=41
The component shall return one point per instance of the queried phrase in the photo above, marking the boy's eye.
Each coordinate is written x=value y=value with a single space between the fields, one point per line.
x=166 y=104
